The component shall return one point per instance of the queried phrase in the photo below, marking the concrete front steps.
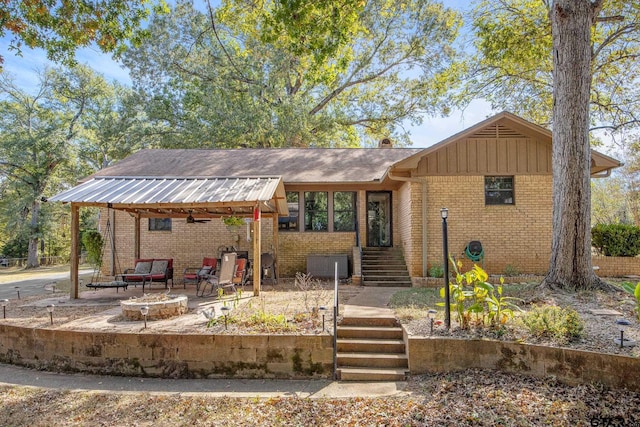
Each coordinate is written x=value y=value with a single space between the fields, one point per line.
x=384 y=267
x=371 y=349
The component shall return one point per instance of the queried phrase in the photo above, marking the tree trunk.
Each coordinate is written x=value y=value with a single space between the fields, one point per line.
x=570 y=264
x=32 y=256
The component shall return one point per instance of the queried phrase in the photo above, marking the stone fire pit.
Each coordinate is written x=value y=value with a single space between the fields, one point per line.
x=161 y=306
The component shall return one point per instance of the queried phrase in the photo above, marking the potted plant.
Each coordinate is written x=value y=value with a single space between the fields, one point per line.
x=233 y=223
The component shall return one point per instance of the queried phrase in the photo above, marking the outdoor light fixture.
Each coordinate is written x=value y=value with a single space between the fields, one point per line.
x=623 y=324
x=323 y=309
x=17 y=288
x=3 y=303
x=444 y=213
x=144 y=310
x=50 y=308
x=225 y=310
x=432 y=316
x=53 y=287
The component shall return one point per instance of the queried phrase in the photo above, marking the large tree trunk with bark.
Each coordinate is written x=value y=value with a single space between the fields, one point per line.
x=570 y=264
x=34 y=238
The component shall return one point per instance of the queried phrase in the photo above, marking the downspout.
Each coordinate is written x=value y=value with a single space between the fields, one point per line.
x=423 y=181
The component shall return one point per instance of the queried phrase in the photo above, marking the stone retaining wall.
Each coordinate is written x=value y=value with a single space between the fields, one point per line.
x=290 y=356
x=168 y=355
x=437 y=354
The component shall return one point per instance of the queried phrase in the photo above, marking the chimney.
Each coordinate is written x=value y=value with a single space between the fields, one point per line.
x=385 y=143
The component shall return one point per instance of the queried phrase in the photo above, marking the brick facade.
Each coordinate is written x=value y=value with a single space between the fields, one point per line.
x=517 y=235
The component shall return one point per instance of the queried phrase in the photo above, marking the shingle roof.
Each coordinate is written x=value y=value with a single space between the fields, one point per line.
x=295 y=165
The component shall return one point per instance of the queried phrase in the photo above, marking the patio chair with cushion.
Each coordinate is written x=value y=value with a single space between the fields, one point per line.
x=241 y=274
x=225 y=277
x=195 y=275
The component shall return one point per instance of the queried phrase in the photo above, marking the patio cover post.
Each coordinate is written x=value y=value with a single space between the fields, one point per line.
x=136 y=237
x=256 y=250
x=276 y=273
x=75 y=250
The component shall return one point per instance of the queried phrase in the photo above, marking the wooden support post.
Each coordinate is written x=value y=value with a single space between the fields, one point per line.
x=257 y=244
x=75 y=250
x=276 y=272
x=136 y=238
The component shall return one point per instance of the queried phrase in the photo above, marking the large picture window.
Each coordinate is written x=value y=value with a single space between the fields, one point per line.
x=344 y=211
x=159 y=224
x=316 y=211
x=498 y=190
x=291 y=223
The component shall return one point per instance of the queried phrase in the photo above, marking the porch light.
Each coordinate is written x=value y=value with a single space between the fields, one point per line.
x=444 y=213
x=431 y=314
x=144 y=310
x=3 y=303
x=50 y=309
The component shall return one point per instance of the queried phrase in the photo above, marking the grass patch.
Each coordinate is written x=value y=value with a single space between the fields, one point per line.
x=424 y=298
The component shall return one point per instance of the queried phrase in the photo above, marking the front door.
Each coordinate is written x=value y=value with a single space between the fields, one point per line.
x=379 y=218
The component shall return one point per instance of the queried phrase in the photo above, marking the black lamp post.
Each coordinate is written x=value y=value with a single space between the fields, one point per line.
x=444 y=213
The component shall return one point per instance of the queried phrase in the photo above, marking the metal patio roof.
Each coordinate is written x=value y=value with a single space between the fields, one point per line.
x=164 y=195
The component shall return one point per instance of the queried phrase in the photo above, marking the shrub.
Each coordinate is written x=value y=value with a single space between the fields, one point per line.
x=436 y=270
x=92 y=241
x=562 y=325
x=511 y=270
x=616 y=239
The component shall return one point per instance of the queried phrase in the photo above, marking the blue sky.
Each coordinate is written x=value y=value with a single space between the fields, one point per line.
x=433 y=129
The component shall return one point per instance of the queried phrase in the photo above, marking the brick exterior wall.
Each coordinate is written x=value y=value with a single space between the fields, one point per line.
x=187 y=244
x=517 y=235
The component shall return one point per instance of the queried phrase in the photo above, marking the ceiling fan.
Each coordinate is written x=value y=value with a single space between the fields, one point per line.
x=192 y=220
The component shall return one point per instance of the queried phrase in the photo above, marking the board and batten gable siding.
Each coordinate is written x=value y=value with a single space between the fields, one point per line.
x=496 y=150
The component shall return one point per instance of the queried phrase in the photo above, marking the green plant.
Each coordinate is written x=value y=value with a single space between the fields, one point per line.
x=436 y=270
x=233 y=221
x=560 y=324
x=500 y=307
x=270 y=322
x=616 y=239
x=635 y=291
x=473 y=299
x=93 y=241
x=511 y=270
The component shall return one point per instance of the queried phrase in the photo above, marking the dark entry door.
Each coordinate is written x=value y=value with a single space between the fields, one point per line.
x=379 y=218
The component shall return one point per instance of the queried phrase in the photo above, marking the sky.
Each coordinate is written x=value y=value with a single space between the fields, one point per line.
x=433 y=129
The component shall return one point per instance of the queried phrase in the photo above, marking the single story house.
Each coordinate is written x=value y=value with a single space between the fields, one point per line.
x=494 y=178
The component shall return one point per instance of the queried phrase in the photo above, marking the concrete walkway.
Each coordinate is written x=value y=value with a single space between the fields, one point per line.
x=371 y=302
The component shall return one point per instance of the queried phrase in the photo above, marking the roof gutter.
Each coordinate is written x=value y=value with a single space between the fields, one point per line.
x=423 y=214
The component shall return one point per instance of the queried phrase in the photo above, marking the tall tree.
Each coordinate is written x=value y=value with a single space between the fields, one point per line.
x=513 y=68
x=579 y=59
x=37 y=132
x=246 y=75
x=570 y=264
x=61 y=27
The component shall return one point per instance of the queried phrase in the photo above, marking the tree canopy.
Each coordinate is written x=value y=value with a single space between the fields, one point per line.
x=245 y=74
x=61 y=27
x=513 y=66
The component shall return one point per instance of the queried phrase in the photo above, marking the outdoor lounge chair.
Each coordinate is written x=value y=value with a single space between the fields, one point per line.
x=241 y=273
x=195 y=275
x=225 y=277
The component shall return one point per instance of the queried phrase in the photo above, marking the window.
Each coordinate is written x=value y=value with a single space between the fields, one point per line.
x=344 y=211
x=498 y=190
x=290 y=223
x=159 y=224
x=316 y=211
